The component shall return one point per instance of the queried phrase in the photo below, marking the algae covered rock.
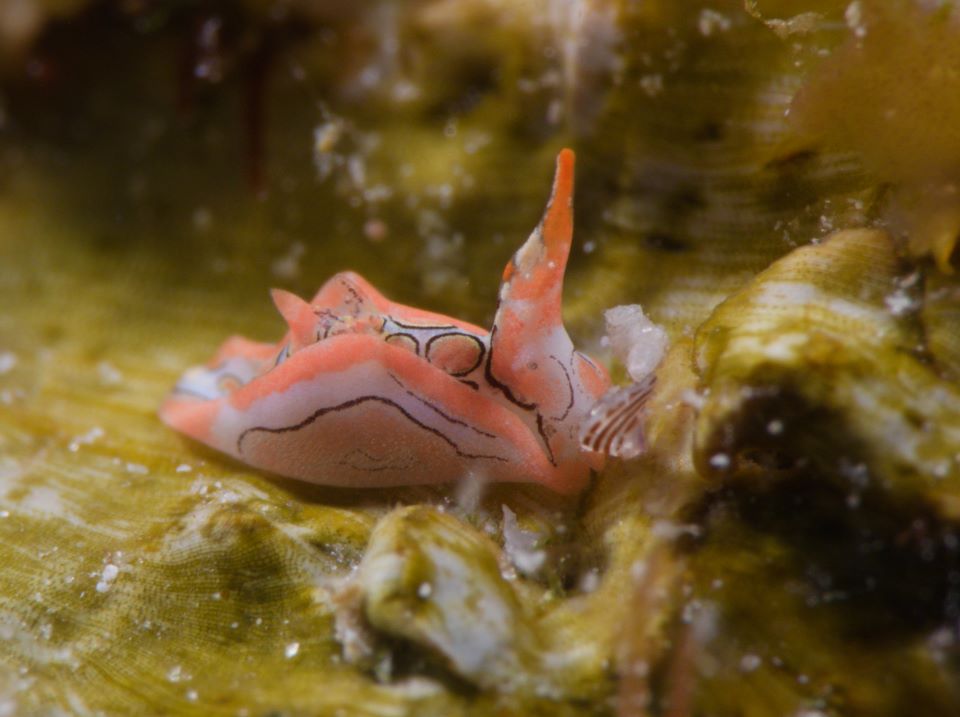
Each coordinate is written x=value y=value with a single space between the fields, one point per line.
x=773 y=181
x=830 y=336
x=431 y=580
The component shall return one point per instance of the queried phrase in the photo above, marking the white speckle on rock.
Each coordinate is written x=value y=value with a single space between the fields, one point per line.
x=109 y=374
x=137 y=469
x=8 y=360
x=288 y=265
x=711 y=22
x=202 y=220
x=521 y=545
x=85 y=439
x=854 y=17
x=900 y=302
x=652 y=84
x=375 y=230
x=184 y=468
x=107 y=576
x=720 y=461
x=750 y=662
x=590 y=581
x=424 y=590
x=291 y=650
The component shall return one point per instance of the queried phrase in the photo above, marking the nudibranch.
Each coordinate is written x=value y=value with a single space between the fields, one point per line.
x=365 y=392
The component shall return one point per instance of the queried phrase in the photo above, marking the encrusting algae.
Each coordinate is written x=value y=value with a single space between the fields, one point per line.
x=771 y=181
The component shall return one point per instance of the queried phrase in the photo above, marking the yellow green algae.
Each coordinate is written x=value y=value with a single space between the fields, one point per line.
x=788 y=546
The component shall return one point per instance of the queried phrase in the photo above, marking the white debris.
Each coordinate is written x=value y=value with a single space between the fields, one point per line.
x=375 y=230
x=109 y=374
x=803 y=23
x=711 y=22
x=85 y=439
x=184 y=468
x=652 y=84
x=854 y=17
x=202 y=219
x=750 y=662
x=404 y=91
x=638 y=343
x=8 y=360
x=424 y=590
x=521 y=545
x=109 y=574
x=901 y=302
x=288 y=265
x=325 y=139
x=720 y=461
x=590 y=581
x=470 y=491
x=137 y=469
x=291 y=650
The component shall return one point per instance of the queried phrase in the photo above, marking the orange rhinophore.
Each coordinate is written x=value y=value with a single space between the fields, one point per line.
x=365 y=392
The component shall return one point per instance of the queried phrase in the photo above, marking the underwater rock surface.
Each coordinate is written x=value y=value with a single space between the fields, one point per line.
x=788 y=544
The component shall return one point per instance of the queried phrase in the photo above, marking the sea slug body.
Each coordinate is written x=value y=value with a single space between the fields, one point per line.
x=365 y=392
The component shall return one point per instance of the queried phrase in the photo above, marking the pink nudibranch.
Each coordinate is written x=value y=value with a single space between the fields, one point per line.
x=364 y=392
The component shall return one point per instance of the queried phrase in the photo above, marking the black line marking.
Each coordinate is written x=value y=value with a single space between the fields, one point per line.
x=481 y=353
x=415 y=327
x=488 y=374
x=356 y=402
x=379 y=469
x=546 y=441
x=386 y=465
x=566 y=375
x=416 y=341
x=472 y=384
x=589 y=360
x=358 y=299
x=492 y=380
x=436 y=410
x=542 y=224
